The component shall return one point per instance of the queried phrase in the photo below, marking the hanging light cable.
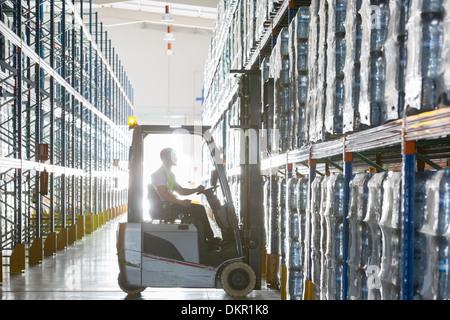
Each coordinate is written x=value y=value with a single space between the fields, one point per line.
x=167 y=17
x=169 y=35
x=169 y=51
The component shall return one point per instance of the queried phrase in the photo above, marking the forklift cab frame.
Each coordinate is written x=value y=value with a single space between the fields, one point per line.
x=139 y=243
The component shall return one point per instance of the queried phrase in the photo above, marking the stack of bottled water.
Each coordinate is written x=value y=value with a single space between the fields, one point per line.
x=300 y=76
x=280 y=71
x=282 y=219
x=336 y=50
x=315 y=235
x=419 y=238
x=375 y=23
x=293 y=254
x=266 y=208
x=273 y=231
x=432 y=42
x=333 y=232
x=390 y=226
x=324 y=239
x=353 y=34
x=372 y=218
x=434 y=283
x=313 y=70
x=358 y=237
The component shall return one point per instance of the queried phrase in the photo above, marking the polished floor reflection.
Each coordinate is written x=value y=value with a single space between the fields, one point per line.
x=88 y=270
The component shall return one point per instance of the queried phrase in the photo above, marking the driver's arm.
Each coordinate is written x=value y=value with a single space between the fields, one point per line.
x=187 y=191
x=166 y=196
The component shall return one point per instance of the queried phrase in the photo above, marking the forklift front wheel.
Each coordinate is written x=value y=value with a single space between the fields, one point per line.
x=128 y=289
x=238 y=279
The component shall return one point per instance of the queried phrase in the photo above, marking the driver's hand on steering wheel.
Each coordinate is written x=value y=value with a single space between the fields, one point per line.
x=200 y=188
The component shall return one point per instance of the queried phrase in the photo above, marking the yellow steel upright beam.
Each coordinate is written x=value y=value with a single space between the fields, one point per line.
x=272 y=269
x=35 y=254
x=50 y=244
x=72 y=234
x=80 y=227
x=17 y=259
x=61 y=243
x=309 y=290
x=283 y=282
x=89 y=223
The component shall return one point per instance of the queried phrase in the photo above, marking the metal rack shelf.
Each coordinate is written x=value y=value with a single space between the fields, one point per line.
x=63 y=89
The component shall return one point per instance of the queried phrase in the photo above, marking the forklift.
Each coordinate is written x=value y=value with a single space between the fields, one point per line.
x=168 y=252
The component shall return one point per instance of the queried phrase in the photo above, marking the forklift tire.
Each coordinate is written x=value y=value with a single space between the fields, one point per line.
x=238 y=279
x=128 y=289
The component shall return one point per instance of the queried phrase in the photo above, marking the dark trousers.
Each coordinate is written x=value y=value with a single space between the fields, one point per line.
x=198 y=213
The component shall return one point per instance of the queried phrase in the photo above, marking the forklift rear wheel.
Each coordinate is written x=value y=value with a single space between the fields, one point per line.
x=128 y=289
x=238 y=279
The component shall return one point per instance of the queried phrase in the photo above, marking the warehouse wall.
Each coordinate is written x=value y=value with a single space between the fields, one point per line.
x=165 y=88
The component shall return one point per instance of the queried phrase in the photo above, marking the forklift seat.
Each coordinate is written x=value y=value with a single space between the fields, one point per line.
x=161 y=210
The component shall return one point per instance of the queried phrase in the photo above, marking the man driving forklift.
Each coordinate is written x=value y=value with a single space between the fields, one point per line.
x=166 y=206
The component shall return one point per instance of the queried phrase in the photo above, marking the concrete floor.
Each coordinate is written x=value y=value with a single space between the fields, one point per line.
x=88 y=269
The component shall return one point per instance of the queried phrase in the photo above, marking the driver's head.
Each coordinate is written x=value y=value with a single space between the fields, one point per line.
x=168 y=157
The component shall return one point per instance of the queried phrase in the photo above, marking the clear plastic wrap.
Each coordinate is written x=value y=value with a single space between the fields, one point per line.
x=352 y=66
x=434 y=284
x=413 y=78
x=300 y=73
x=294 y=257
x=282 y=213
x=273 y=236
x=390 y=225
x=374 y=207
x=336 y=54
x=315 y=234
x=444 y=89
x=313 y=54
x=321 y=66
x=364 y=102
x=390 y=109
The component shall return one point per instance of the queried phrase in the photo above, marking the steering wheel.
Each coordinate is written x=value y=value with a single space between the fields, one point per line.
x=207 y=190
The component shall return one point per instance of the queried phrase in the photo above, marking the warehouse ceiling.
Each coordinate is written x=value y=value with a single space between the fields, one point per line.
x=189 y=14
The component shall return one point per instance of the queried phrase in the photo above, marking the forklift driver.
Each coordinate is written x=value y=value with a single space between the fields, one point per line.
x=165 y=184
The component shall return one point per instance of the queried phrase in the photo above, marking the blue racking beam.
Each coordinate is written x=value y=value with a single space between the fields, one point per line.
x=348 y=174
x=408 y=176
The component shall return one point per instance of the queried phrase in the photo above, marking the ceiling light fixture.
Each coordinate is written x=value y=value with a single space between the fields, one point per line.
x=169 y=35
x=167 y=17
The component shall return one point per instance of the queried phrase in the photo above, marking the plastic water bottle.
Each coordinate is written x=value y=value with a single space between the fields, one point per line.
x=377 y=77
x=339 y=239
x=302 y=88
x=379 y=27
x=295 y=258
x=444 y=203
x=443 y=269
x=339 y=293
x=340 y=55
x=284 y=38
x=302 y=55
x=432 y=6
x=284 y=73
x=303 y=17
x=358 y=38
x=339 y=107
x=295 y=285
x=341 y=10
x=432 y=39
x=338 y=210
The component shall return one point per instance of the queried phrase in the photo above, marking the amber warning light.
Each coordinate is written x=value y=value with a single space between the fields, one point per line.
x=132 y=123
